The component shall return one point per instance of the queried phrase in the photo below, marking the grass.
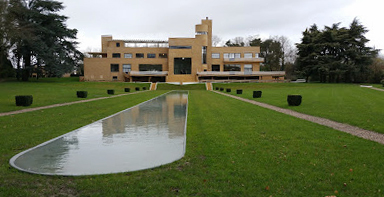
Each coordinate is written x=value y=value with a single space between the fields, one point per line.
x=47 y=91
x=346 y=103
x=166 y=86
x=233 y=149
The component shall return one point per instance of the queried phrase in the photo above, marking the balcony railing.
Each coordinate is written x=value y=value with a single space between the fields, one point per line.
x=148 y=73
x=243 y=59
x=241 y=73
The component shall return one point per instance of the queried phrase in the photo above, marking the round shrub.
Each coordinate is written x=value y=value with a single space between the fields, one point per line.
x=24 y=100
x=111 y=91
x=127 y=89
x=257 y=94
x=228 y=89
x=294 y=100
x=239 y=91
x=137 y=89
x=82 y=94
x=382 y=82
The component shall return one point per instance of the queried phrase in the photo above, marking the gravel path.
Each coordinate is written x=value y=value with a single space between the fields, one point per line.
x=60 y=104
x=356 y=131
x=377 y=89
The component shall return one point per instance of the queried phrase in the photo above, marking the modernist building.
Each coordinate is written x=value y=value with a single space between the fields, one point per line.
x=175 y=60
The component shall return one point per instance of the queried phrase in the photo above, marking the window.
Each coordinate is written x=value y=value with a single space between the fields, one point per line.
x=126 y=68
x=114 y=67
x=256 y=55
x=247 y=55
x=215 y=55
x=180 y=47
x=163 y=55
x=127 y=55
x=116 y=55
x=117 y=44
x=232 y=67
x=216 y=68
x=151 y=55
x=247 y=68
x=204 y=55
x=114 y=78
x=182 y=66
x=231 y=55
x=150 y=67
x=139 y=55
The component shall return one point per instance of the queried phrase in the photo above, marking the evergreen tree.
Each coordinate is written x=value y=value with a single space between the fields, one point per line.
x=41 y=39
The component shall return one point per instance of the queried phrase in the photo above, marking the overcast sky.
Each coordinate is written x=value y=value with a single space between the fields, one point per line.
x=161 y=19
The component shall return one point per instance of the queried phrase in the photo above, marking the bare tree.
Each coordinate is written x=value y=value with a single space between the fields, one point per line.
x=216 y=40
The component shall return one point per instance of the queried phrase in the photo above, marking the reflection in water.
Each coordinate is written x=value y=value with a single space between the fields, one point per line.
x=145 y=136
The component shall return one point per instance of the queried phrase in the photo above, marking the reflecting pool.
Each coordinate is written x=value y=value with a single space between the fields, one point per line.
x=145 y=136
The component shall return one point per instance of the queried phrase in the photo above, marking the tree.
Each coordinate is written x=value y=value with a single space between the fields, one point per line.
x=6 y=68
x=335 y=54
x=236 y=42
x=216 y=40
x=271 y=51
x=40 y=38
x=376 y=71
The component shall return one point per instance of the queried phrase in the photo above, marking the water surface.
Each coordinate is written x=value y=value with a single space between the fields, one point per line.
x=145 y=136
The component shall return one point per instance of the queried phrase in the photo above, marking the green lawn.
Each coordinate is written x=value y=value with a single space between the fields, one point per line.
x=233 y=149
x=47 y=91
x=346 y=103
x=166 y=86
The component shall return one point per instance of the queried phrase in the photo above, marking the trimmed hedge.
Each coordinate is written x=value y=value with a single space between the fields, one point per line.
x=257 y=94
x=111 y=91
x=137 y=89
x=239 y=91
x=144 y=88
x=221 y=89
x=228 y=89
x=24 y=100
x=294 y=100
x=82 y=94
x=216 y=88
x=127 y=89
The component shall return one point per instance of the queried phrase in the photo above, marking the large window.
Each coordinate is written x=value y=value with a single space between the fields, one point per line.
x=232 y=55
x=247 y=55
x=116 y=55
x=182 y=66
x=163 y=55
x=139 y=55
x=126 y=68
x=151 y=55
x=127 y=55
x=232 y=67
x=215 y=55
x=114 y=67
x=204 y=55
x=150 y=67
x=247 y=68
x=216 y=68
x=117 y=44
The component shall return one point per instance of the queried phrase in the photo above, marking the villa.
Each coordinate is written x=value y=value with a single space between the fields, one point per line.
x=176 y=60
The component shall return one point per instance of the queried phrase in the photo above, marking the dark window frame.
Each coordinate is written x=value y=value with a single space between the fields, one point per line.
x=139 y=55
x=116 y=55
x=115 y=67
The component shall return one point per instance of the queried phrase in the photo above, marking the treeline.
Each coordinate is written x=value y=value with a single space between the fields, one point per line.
x=334 y=54
x=35 y=39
